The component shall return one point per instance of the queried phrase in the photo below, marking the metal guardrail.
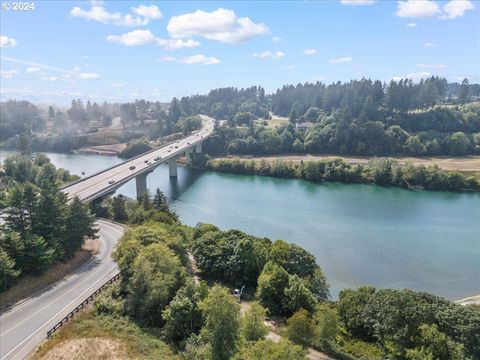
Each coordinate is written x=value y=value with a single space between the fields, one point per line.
x=81 y=306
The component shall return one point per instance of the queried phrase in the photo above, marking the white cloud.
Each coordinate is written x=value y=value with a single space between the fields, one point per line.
x=310 y=52
x=456 y=8
x=85 y=57
x=417 y=9
x=411 y=25
x=200 y=60
x=276 y=39
x=149 y=12
x=117 y=85
x=269 y=54
x=221 y=25
x=142 y=15
x=49 y=78
x=6 y=41
x=88 y=76
x=134 y=38
x=357 y=2
x=429 y=45
x=418 y=75
x=8 y=74
x=32 y=69
x=319 y=78
x=174 y=44
x=432 y=66
x=145 y=37
x=341 y=60
x=193 y=60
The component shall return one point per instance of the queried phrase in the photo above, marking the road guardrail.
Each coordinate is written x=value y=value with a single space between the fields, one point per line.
x=81 y=306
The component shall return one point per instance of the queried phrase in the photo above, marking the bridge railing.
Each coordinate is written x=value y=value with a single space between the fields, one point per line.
x=81 y=306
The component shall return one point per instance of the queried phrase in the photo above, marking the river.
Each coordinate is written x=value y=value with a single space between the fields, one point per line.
x=360 y=234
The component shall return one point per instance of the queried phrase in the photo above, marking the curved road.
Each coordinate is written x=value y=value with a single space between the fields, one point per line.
x=24 y=326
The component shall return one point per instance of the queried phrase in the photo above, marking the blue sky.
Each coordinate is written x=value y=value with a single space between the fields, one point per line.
x=121 y=51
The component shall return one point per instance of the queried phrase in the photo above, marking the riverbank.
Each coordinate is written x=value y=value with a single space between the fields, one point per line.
x=381 y=171
x=463 y=163
x=107 y=150
x=471 y=300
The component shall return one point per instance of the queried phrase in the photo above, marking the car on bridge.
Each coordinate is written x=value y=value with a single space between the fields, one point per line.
x=157 y=158
x=132 y=167
x=111 y=181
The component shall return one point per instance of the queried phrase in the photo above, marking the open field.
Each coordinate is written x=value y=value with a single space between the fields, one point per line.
x=464 y=163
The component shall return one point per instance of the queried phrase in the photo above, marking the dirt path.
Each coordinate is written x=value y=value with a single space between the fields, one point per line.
x=464 y=163
x=193 y=270
x=272 y=336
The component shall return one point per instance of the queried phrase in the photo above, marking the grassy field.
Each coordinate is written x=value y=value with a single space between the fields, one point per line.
x=92 y=337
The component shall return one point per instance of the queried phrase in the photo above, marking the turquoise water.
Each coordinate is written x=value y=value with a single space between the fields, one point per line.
x=360 y=234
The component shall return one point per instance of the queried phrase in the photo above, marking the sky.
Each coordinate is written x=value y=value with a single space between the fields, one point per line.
x=120 y=51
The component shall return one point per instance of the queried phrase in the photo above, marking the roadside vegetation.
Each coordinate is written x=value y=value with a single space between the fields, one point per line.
x=386 y=172
x=159 y=302
x=39 y=227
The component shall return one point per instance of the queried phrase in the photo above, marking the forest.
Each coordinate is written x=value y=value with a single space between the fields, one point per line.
x=359 y=117
x=176 y=312
x=39 y=228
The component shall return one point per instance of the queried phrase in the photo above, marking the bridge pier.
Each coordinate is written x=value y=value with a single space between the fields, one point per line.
x=141 y=184
x=172 y=167
x=189 y=155
x=198 y=148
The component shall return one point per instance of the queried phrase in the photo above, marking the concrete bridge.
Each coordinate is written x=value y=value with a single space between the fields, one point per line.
x=109 y=180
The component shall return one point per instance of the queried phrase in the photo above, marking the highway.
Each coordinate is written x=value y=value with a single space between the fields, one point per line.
x=24 y=326
x=109 y=180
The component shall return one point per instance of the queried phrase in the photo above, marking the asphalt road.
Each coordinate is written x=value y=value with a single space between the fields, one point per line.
x=113 y=178
x=24 y=326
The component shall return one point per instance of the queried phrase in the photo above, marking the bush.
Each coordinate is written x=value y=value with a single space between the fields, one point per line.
x=301 y=328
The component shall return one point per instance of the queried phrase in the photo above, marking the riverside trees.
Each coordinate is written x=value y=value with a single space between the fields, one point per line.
x=40 y=228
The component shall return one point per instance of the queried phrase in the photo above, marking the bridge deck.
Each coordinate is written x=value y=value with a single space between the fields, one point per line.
x=99 y=184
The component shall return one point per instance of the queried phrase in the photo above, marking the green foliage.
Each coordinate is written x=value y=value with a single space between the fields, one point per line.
x=8 y=273
x=118 y=208
x=253 y=326
x=182 y=316
x=327 y=322
x=393 y=319
x=189 y=123
x=301 y=328
x=362 y=350
x=39 y=228
x=221 y=315
x=135 y=147
x=230 y=256
x=380 y=171
x=78 y=224
x=156 y=275
x=271 y=284
x=297 y=296
x=110 y=302
x=435 y=345
x=269 y=350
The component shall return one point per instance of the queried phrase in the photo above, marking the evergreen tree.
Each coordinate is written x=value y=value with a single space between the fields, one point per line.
x=79 y=223
x=159 y=200
x=8 y=274
x=118 y=208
